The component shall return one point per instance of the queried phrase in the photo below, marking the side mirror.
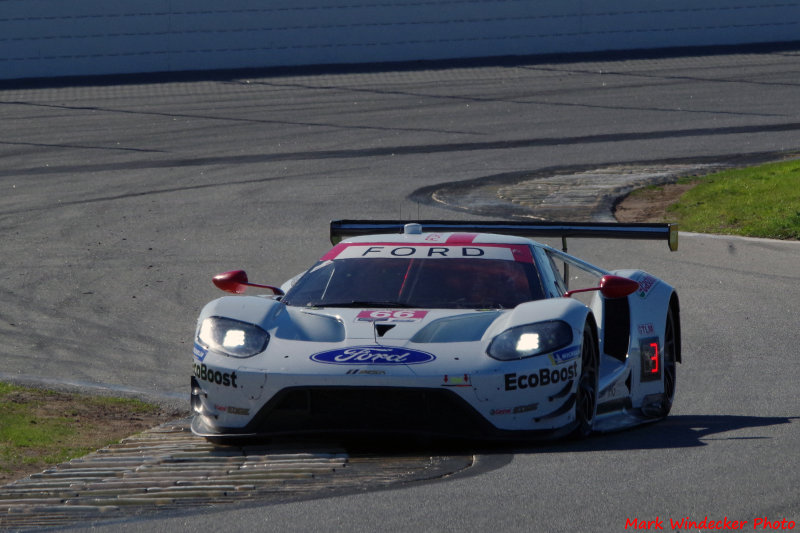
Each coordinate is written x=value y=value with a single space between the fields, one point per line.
x=617 y=286
x=235 y=281
x=611 y=287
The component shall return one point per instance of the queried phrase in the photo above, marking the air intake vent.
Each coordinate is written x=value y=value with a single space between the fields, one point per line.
x=381 y=329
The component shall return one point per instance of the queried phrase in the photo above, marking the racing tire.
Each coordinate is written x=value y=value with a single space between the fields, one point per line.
x=586 y=396
x=670 y=362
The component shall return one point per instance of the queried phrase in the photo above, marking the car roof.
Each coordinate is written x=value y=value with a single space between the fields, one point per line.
x=435 y=245
x=459 y=238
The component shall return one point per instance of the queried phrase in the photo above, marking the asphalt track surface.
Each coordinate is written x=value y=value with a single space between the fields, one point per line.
x=120 y=201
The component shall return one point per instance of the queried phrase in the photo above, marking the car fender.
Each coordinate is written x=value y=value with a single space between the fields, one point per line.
x=277 y=319
x=256 y=310
x=648 y=305
x=569 y=310
x=648 y=310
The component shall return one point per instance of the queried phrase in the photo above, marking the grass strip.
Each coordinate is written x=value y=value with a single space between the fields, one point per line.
x=40 y=428
x=761 y=201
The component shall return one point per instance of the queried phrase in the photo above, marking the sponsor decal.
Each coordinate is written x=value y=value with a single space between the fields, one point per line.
x=362 y=372
x=456 y=381
x=232 y=410
x=390 y=315
x=646 y=329
x=525 y=408
x=610 y=392
x=199 y=351
x=417 y=251
x=543 y=377
x=373 y=355
x=495 y=412
x=617 y=389
x=509 y=252
x=461 y=238
x=206 y=373
x=645 y=284
x=567 y=354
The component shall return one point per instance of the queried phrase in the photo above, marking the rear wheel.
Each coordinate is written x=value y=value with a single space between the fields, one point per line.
x=670 y=360
x=586 y=399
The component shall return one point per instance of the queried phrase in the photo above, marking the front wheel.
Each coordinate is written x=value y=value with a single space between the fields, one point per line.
x=586 y=399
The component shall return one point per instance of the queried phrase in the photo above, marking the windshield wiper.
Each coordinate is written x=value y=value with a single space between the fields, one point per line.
x=360 y=303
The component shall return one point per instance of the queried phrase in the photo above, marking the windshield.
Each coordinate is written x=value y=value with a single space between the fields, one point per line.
x=420 y=283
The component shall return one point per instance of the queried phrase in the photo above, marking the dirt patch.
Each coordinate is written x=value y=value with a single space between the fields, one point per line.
x=97 y=422
x=650 y=204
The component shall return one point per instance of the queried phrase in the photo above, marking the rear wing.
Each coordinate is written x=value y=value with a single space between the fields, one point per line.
x=342 y=229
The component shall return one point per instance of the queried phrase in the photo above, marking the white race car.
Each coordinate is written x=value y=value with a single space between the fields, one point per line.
x=442 y=328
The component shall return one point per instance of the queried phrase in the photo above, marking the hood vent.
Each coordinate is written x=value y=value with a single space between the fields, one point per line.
x=460 y=328
x=381 y=329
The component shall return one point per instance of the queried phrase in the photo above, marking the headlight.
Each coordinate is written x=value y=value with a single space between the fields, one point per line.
x=232 y=337
x=530 y=340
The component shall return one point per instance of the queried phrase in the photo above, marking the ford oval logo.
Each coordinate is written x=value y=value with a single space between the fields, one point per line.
x=373 y=355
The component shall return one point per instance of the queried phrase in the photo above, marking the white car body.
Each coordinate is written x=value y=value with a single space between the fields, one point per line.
x=263 y=367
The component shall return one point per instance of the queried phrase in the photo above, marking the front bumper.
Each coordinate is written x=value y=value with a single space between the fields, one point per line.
x=436 y=411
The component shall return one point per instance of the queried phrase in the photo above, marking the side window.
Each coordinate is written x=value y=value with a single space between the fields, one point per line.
x=558 y=272
x=573 y=276
x=311 y=286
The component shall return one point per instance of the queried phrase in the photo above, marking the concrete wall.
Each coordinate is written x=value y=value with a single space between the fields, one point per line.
x=44 y=38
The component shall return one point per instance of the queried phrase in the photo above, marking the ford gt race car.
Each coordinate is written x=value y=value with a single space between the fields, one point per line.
x=442 y=328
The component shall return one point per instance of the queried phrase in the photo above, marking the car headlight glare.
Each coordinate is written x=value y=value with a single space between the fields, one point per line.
x=530 y=340
x=232 y=337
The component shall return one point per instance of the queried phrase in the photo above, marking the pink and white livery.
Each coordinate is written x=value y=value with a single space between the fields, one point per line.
x=443 y=328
